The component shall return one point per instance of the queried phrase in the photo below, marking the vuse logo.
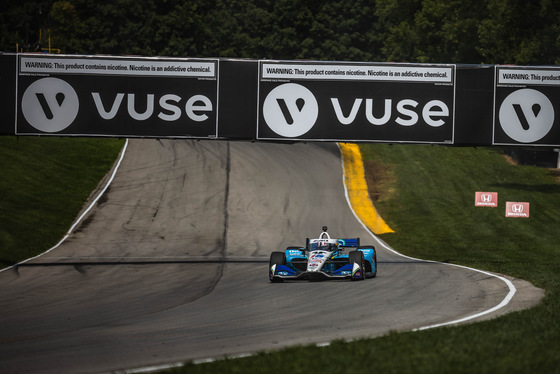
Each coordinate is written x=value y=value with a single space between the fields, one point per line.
x=526 y=115
x=290 y=110
x=50 y=104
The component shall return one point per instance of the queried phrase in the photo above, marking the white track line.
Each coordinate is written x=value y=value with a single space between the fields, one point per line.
x=77 y=222
x=148 y=369
x=503 y=303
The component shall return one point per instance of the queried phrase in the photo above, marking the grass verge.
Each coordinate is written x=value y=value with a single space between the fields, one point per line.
x=44 y=184
x=429 y=202
x=426 y=194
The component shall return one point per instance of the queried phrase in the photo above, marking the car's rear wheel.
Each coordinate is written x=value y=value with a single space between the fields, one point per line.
x=357 y=257
x=276 y=258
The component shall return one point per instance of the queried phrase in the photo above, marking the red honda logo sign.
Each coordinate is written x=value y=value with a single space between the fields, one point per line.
x=488 y=199
x=516 y=210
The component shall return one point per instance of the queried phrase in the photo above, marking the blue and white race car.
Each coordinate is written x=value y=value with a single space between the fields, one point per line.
x=323 y=259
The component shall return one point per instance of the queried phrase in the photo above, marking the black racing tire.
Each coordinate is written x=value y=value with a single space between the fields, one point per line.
x=276 y=258
x=358 y=258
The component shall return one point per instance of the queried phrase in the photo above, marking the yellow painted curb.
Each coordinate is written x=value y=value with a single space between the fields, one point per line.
x=355 y=180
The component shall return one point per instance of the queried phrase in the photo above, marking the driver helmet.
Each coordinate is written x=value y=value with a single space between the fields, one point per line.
x=327 y=244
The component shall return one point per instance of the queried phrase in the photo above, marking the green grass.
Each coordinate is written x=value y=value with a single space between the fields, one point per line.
x=430 y=204
x=432 y=209
x=44 y=184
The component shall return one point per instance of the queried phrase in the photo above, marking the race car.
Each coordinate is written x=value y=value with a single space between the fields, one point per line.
x=323 y=259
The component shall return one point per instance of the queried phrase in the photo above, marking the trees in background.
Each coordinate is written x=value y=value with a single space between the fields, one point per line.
x=446 y=31
x=521 y=32
x=431 y=30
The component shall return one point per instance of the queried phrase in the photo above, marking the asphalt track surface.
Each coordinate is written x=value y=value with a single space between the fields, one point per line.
x=171 y=264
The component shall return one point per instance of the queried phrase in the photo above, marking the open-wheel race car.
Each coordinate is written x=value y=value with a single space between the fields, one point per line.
x=323 y=259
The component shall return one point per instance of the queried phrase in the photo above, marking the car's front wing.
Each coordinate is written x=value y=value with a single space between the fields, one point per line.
x=283 y=272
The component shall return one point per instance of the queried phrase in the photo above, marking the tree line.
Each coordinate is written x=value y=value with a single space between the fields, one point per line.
x=438 y=31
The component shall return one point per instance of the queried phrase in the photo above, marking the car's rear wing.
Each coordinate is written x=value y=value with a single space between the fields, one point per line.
x=349 y=243
x=342 y=243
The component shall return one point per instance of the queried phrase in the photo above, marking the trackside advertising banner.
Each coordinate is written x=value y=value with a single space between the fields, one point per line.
x=402 y=103
x=527 y=106
x=115 y=96
x=270 y=100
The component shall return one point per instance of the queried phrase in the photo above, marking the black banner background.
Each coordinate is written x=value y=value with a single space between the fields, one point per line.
x=237 y=94
x=328 y=127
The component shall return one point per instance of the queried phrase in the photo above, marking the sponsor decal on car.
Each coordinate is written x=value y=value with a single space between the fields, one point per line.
x=356 y=271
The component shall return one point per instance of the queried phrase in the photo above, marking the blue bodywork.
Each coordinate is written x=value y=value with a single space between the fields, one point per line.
x=336 y=266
